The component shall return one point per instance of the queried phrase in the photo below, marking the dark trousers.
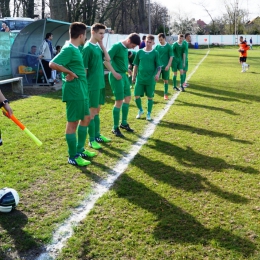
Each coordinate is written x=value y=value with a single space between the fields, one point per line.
x=46 y=68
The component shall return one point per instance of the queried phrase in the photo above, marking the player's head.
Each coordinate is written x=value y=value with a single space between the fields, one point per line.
x=241 y=38
x=132 y=40
x=180 y=38
x=187 y=37
x=161 y=37
x=98 y=31
x=149 y=42
x=143 y=38
x=78 y=30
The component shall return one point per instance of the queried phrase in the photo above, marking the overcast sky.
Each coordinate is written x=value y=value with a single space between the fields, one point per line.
x=193 y=9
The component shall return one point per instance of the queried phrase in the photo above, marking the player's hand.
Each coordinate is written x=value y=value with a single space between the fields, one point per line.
x=71 y=76
x=166 y=68
x=129 y=72
x=117 y=76
x=156 y=77
x=133 y=78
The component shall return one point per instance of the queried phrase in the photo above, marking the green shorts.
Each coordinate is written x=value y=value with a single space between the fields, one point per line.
x=141 y=89
x=96 y=97
x=177 y=65
x=165 y=74
x=77 y=110
x=186 y=65
x=120 y=88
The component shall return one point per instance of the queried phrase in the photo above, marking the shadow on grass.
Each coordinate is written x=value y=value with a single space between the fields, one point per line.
x=229 y=94
x=190 y=158
x=214 y=96
x=201 y=131
x=13 y=224
x=175 y=224
x=228 y=111
x=183 y=180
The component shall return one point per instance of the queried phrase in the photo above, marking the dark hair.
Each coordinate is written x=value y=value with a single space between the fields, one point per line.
x=97 y=26
x=129 y=53
x=161 y=35
x=58 y=47
x=134 y=38
x=48 y=35
x=186 y=35
x=181 y=35
x=76 y=29
x=150 y=37
x=33 y=46
x=144 y=37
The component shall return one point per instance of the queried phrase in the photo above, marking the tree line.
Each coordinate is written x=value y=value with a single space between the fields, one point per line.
x=122 y=17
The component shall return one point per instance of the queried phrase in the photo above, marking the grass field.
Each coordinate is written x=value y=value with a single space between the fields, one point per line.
x=192 y=192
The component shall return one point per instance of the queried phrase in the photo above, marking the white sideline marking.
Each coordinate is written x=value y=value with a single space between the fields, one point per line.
x=65 y=231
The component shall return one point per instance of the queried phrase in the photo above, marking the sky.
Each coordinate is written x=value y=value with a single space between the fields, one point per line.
x=216 y=8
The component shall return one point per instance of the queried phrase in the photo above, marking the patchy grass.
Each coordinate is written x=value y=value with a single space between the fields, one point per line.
x=192 y=192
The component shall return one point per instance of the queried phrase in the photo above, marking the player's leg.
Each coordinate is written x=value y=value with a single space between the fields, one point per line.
x=139 y=92
x=94 y=96
x=165 y=77
x=74 y=112
x=149 y=91
x=174 y=78
x=118 y=91
x=125 y=106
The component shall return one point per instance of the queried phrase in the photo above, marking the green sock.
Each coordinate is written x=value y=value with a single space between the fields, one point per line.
x=149 y=105
x=82 y=135
x=116 y=115
x=174 y=81
x=97 y=125
x=138 y=102
x=165 y=88
x=184 y=77
x=125 y=109
x=182 y=80
x=91 y=130
x=72 y=144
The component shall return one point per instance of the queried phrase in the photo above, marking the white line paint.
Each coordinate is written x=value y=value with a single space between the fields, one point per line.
x=65 y=231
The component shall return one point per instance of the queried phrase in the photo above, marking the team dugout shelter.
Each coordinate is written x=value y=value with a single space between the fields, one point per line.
x=34 y=35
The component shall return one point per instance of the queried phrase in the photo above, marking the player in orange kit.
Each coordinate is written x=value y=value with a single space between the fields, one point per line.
x=243 y=47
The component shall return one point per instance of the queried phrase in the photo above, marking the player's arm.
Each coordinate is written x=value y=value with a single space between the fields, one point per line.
x=158 y=73
x=169 y=64
x=134 y=73
x=106 y=55
x=111 y=69
x=70 y=74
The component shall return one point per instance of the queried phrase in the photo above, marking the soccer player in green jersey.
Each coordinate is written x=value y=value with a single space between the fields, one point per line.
x=93 y=54
x=177 y=62
x=147 y=69
x=166 y=56
x=185 y=43
x=75 y=93
x=119 y=82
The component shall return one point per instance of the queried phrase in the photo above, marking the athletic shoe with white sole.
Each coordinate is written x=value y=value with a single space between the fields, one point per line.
x=87 y=154
x=148 y=117
x=139 y=114
x=103 y=139
x=95 y=145
x=78 y=161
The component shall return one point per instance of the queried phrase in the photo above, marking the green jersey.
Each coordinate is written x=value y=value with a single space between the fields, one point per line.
x=93 y=61
x=165 y=52
x=186 y=48
x=71 y=58
x=119 y=57
x=132 y=58
x=178 y=51
x=148 y=63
